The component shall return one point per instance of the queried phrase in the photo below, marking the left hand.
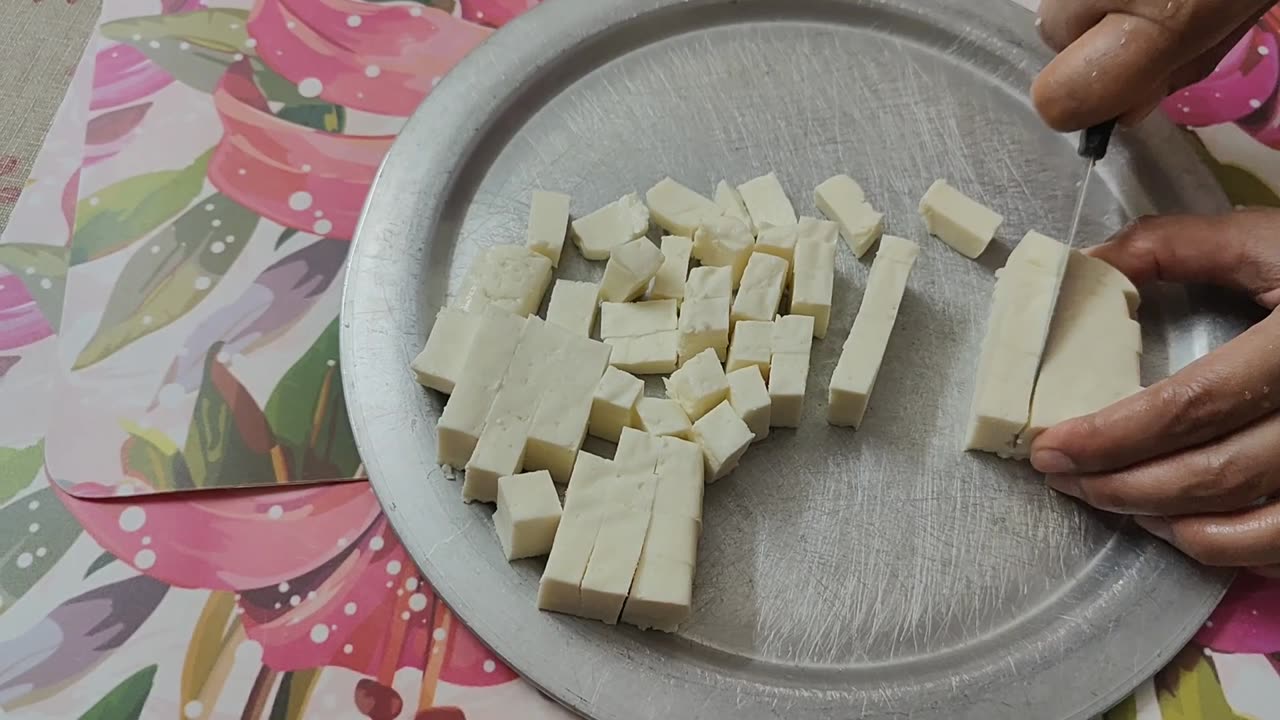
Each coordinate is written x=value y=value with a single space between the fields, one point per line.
x=1195 y=456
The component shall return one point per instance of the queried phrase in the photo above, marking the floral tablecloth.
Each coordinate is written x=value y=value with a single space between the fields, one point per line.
x=167 y=322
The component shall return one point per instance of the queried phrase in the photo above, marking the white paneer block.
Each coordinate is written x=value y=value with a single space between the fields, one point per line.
x=760 y=293
x=564 y=407
x=724 y=242
x=724 y=438
x=788 y=379
x=512 y=277
x=767 y=202
x=749 y=397
x=678 y=209
x=573 y=306
x=813 y=276
x=638 y=450
x=528 y=514
x=619 y=320
x=752 y=346
x=672 y=538
x=708 y=282
x=443 y=359
x=548 y=224
x=779 y=241
x=618 y=546
x=792 y=334
x=589 y=484
x=860 y=360
x=841 y=199
x=699 y=385
x=631 y=266
x=613 y=404
x=617 y=223
x=663 y=417
x=661 y=595
x=585 y=503
x=669 y=283
x=958 y=220
x=654 y=354
x=463 y=418
x=704 y=324
x=680 y=471
x=730 y=203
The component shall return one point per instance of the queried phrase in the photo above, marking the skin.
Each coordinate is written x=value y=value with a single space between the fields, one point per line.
x=1195 y=457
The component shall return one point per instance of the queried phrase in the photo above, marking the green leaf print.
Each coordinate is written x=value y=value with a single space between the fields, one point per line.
x=171 y=274
x=43 y=271
x=18 y=467
x=329 y=118
x=229 y=443
x=129 y=210
x=1127 y=710
x=103 y=560
x=308 y=414
x=35 y=532
x=126 y=700
x=1189 y=689
x=1241 y=186
x=150 y=456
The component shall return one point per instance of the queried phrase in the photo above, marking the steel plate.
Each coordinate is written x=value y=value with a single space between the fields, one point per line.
x=877 y=574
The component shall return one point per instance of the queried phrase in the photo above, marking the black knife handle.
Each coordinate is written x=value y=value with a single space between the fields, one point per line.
x=1094 y=140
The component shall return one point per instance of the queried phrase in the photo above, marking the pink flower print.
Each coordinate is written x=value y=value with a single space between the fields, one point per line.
x=1247 y=620
x=495 y=13
x=9 y=165
x=21 y=322
x=108 y=133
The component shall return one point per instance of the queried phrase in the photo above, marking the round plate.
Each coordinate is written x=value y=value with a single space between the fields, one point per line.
x=876 y=574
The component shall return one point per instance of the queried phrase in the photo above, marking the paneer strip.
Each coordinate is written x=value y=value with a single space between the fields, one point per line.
x=573 y=306
x=957 y=220
x=730 y=203
x=864 y=349
x=1021 y=309
x=1093 y=356
x=813 y=275
x=548 y=224
x=618 y=545
x=677 y=209
x=789 y=374
x=564 y=408
x=661 y=595
x=752 y=346
x=643 y=335
x=512 y=277
x=669 y=283
x=767 y=202
x=631 y=266
x=443 y=359
x=841 y=199
x=724 y=242
x=760 y=294
x=749 y=396
x=584 y=506
x=617 y=223
x=680 y=479
x=486 y=364
x=704 y=317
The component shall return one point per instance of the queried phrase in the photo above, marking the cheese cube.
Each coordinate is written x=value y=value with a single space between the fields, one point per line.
x=590 y=479
x=752 y=346
x=813 y=277
x=548 y=223
x=654 y=354
x=709 y=282
x=855 y=374
x=512 y=277
x=573 y=306
x=669 y=283
x=441 y=361
x=841 y=199
x=631 y=266
x=617 y=223
x=779 y=241
x=613 y=404
x=660 y=416
x=761 y=290
x=699 y=385
x=564 y=407
x=724 y=438
x=585 y=502
x=618 y=546
x=792 y=334
x=680 y=479
x=730 y=203
x=528 y=514
x=957 y=220
x=767 y=202
x=749 y=397
x=704 y=324
x=637 y=319
x=492 y=348
x=678 y=209
x=787 y=381
x=724 y=242
x=661 y=595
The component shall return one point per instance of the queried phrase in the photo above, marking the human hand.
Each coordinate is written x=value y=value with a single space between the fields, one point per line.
x=1120 y=58
x=1195 y=456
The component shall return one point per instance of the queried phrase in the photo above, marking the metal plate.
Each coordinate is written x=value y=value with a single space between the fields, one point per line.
x=877 y=574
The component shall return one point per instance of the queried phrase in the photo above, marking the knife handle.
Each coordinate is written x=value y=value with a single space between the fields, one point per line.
x=1094 y=140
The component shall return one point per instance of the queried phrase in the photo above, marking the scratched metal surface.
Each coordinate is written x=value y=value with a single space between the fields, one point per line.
x=877 y=574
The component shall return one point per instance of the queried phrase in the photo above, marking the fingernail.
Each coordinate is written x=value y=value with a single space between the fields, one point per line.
x=1065 y=484
x=1052 y=462
x=1156 y=526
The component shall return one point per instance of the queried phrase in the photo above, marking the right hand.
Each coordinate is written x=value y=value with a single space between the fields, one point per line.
x=1121 y=58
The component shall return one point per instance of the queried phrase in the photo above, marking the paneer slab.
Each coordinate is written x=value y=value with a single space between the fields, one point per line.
x=637 y=319
x=789 y=371
x=661 y=595
x=730 y=203
x=573 y=306
x=680 y=472
x=548 y=224
x=669 y=283
x=958 y=220
x=724 y=438
x=724 y=242
x=864 y=349
x=584 y=506
x=699 y=385
x=760 y=293
x=752 y=346
x=511 y=277
x=631 y=266
x=490 y=354
x=1021 y=310
x=677 y=209
x=767 y=202
x=841 y=199
x=643 y=335
x=564 y=407
x=613 y=404
x=617 y=223
x=618 y=545
x=704 y=317
x=813 y=274
x=443 y=359
x=749 y=396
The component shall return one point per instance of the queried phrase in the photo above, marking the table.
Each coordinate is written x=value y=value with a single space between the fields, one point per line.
x=284 y=602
